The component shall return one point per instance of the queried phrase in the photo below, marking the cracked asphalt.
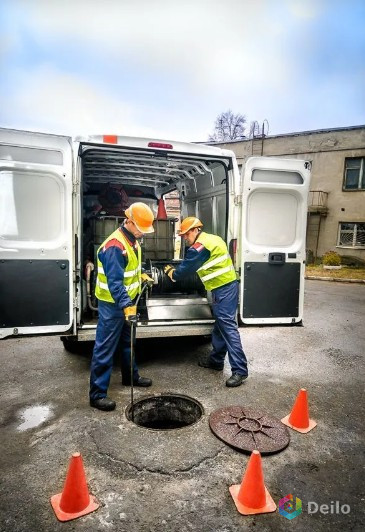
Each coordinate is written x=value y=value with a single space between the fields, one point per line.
x=177 y=480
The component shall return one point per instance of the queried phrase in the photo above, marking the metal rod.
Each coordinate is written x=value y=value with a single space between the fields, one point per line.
x=132 y=363
x=133 y=331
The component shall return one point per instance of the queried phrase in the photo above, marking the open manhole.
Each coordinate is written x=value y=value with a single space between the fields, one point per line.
x=165 y=412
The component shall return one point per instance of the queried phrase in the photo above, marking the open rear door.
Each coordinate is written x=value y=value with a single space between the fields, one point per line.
x=36 y=289
x=274 y=218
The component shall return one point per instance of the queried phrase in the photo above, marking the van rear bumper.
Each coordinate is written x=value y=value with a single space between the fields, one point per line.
x=164 y=331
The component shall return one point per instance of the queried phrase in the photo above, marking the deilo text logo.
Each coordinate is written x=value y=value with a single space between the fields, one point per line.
x=286 y=506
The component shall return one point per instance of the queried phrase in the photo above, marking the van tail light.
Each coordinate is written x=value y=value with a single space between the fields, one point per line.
x=160 y=145
x=233 y=251
x=110 y=139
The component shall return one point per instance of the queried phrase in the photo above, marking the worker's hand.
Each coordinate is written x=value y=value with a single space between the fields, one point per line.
x=130 y=313
x=169 y=270
x=147 y=279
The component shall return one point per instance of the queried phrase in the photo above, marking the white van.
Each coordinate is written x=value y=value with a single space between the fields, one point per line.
x=60 y=198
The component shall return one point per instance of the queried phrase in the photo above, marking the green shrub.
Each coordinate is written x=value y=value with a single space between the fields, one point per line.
x=331 y=258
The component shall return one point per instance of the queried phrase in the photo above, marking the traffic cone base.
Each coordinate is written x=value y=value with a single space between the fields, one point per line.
x=298 y=419
x=75 y=500
x=311 y=425
x=269 y=506
x=64 y=516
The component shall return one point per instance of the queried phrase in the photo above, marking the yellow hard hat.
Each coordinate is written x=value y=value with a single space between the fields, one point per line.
x=142 y=216
x=189 y=223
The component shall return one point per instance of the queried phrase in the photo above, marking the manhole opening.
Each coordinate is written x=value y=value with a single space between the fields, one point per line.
x=165 y=412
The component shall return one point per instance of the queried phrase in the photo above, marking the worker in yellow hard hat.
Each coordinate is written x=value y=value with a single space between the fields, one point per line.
x=118 y=284
x=208 y=256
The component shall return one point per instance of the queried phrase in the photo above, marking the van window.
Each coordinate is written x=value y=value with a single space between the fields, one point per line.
x=31 y=206
x=30 y=155
x=275 y=176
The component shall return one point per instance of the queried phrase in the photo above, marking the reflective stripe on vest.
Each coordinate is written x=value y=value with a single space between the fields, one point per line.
x=219 y=269
x=132 y=272
x=126 y=274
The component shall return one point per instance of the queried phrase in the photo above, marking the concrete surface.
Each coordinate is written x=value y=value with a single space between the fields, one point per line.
x=178 y=480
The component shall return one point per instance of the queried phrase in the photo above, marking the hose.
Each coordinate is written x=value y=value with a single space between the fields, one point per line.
x=191 y=284
x=88 y=269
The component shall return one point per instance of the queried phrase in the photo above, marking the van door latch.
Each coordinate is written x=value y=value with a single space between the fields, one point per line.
x=276 y=258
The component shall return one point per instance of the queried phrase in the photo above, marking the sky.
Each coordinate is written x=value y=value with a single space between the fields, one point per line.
x=167 y=68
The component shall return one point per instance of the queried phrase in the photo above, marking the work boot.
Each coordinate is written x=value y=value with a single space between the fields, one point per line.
x=205 y=362
x=235 y=380
x=143 y=382
x=103 y=403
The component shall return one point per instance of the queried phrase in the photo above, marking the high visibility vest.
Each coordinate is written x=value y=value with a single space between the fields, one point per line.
x=132 y=272
x=218 y=270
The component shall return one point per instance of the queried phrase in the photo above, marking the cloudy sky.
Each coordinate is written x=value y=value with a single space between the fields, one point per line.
x=167 y=68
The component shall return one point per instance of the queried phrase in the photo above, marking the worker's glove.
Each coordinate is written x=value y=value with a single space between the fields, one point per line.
x=130 y=314
x=169 y=270
x=147 y=280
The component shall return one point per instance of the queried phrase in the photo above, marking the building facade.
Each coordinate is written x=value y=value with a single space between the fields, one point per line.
x=336 y=203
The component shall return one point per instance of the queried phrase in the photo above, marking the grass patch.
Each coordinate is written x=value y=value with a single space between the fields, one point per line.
x=344 y=273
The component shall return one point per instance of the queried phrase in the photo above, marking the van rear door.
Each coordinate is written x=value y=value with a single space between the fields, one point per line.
x=36 y=284
x=272 y=244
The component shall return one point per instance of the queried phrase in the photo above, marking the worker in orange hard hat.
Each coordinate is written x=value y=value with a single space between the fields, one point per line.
x=208 y=256
x=118 y=284
x=189 y=223
x=141 y=216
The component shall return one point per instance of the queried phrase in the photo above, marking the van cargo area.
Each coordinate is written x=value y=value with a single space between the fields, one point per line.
x=64 y=196
x=111 y=178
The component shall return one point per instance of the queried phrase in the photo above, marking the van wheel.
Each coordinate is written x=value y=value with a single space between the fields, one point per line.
x=70 y=344
x=204 y=339
x=239 y=321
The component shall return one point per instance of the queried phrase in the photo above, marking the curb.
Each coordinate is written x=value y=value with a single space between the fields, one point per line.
x=312 y=278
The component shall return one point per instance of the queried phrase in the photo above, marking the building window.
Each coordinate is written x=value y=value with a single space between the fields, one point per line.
x=354 y=173
x=351 y=235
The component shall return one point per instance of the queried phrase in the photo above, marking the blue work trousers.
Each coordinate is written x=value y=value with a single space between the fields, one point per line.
x=225 y=335
x=113 y=336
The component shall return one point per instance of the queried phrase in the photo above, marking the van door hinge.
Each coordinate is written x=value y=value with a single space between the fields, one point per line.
x=75 y=187
x=237 y=199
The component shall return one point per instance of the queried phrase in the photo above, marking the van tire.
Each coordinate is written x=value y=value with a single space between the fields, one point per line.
x=70 y=344
x=204 y=339
x=239 y=320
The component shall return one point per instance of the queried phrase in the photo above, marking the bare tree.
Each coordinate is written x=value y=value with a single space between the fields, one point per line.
x=228 y=126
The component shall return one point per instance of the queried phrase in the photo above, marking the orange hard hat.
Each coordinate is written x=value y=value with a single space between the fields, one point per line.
x=189 y=223
x=142 y=216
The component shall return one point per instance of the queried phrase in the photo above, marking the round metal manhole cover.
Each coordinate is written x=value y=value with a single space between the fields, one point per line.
x=246 y=429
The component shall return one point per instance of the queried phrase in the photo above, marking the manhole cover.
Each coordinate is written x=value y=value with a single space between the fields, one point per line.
x=246 y=429
x=165 y=412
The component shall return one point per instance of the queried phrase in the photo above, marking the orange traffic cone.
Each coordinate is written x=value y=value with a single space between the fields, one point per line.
x=75 y=500
x=161 y=212
x=298 y=419
x=251 y=496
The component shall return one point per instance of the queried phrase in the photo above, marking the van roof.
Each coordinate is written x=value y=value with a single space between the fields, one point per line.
x=145 y=143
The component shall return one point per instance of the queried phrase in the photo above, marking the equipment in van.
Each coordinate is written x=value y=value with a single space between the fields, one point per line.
x=51 y=226
x=114 y=199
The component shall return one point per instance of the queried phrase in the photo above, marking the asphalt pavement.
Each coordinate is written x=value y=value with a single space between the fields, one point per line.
x=178 y=480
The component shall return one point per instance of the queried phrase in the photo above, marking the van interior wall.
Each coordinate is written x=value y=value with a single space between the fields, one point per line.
x=111 y=184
